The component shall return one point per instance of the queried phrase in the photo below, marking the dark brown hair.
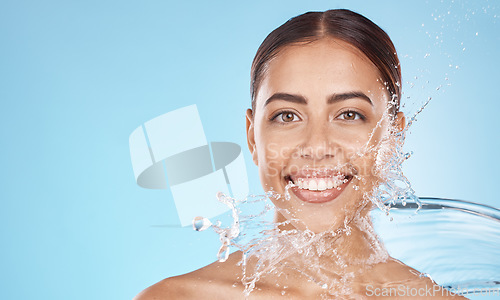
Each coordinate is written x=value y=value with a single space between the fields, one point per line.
x=341 y=24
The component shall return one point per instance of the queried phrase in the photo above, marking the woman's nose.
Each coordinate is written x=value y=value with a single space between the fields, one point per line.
x=318 y=142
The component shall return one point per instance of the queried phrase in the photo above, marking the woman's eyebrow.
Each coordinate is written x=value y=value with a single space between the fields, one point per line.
x=286 y=97
x=332 y=99
x=350 y=95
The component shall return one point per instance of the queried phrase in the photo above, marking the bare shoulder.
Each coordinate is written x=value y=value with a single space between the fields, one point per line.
x=408 y=283
x=167 y=288
x=215 y=281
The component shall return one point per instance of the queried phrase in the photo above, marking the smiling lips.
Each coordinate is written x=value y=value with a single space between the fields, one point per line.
x=318 y=186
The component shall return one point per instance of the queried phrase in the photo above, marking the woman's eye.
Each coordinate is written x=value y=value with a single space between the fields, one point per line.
x=350 y=116
x=285 y=117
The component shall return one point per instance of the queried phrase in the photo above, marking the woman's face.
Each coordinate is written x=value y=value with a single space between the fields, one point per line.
x=319 y=116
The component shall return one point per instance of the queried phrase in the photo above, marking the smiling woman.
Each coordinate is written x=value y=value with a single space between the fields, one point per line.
x=325 y=108
x=339 y=100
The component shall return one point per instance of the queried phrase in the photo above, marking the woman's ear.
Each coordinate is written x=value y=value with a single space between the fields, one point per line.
x=400 y=121
x=251 y=136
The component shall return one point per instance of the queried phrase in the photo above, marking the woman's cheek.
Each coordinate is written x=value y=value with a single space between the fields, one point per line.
x=275 y=153
x=272 y=171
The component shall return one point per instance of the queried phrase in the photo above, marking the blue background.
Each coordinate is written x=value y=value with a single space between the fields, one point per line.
x=77 y=77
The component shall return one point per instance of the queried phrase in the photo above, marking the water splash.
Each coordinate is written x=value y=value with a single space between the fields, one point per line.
x=226 y=235
x=444 y=240
x=267 y=250
x=201 y=223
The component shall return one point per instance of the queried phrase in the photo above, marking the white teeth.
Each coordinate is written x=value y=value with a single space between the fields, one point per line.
x=321 y=185
x=313 y=185
x=329 y=184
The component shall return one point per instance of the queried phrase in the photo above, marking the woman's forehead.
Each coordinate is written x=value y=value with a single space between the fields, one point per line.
x=320 y=68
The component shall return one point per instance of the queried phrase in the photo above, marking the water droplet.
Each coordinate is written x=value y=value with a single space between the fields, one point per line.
x=201 y=223
x=324 y=286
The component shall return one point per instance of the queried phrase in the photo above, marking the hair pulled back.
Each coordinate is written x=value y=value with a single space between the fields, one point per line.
x=341 y=24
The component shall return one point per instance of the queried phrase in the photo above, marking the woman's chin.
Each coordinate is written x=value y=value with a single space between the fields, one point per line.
x=314 y=223
x=319 y=211
x=329 y=216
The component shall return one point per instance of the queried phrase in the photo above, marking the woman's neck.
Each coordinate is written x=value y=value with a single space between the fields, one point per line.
x=343 y=249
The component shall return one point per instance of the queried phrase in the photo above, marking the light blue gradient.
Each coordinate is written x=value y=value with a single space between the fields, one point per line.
x=77 y=77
